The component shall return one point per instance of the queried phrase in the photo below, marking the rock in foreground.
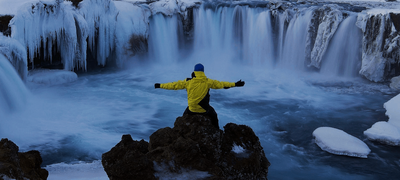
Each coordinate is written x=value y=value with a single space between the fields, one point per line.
x=193 y=145
x=20 y=166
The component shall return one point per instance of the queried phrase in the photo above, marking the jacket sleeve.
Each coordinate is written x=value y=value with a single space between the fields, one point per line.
x=174 y=85
x=215 y=84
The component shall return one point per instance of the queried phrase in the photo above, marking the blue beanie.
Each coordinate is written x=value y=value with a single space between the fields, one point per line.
x=199 y=67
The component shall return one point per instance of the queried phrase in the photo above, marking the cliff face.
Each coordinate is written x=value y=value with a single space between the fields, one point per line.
x=20 y=166
x=193 y=143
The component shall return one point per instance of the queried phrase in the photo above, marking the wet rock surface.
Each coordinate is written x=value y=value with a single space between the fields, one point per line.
x=195 y=144
x=20 y=166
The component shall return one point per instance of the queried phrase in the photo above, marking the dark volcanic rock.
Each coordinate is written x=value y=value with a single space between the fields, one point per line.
x=4 y=21
x=192 y=144
x=20 y=166
x=127 y=160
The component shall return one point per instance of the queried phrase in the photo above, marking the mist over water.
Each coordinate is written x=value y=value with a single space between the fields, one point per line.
x=282 y=101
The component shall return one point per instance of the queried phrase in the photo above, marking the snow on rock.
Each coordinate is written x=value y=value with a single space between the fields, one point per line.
x=338 y=142
x=51 y=76
x=166 y=7
x=384 y=132
x=395 y=83
x=53 y=23
x=10 y=7
x=15 y=53
x=393 y=110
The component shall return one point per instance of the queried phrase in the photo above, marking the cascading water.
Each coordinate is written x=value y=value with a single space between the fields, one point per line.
x=13 y=92
x=343 y=58
x=164 y=38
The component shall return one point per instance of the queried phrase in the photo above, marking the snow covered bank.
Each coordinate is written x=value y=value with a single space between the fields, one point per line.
x=387 y=132
x=338 y=142
x=51 y=76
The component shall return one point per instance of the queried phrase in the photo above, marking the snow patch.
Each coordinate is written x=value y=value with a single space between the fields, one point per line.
x=338 y=142
x=238 y=149
x=77 y=171
x=51 y=76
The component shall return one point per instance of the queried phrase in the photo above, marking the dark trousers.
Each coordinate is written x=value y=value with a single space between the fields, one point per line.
x=210 y=113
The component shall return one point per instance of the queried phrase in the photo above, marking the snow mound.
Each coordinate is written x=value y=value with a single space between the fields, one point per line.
x=384 y=132
x=51 y=76
x=387 y=132
x=338 y=142
x=395 y=83
x=80 y=170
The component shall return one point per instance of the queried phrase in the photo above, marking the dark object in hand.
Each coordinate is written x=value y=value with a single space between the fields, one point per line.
x=157 y=85
x=239 y=83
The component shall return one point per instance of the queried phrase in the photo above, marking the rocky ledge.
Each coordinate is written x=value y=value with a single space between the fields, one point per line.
x=20 y=166
x=192 y=144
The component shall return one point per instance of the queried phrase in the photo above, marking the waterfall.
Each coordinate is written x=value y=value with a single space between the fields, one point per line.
x=164 y=38
x=343 y=58
x=259 y=36
x=13 y=92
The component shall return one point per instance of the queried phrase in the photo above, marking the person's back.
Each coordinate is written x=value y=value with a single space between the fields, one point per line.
x=198 y=88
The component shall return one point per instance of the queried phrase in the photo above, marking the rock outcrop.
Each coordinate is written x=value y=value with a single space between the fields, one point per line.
x=192 y=144
x=20 y=166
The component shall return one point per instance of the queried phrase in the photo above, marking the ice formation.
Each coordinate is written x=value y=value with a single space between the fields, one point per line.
x=131 y=23
x=56 y=25
x=387 y=132
x=338 y=142
x=51 y=76
x=15 y=53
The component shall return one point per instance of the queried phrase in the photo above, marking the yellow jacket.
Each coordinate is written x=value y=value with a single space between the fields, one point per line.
x=197 y=90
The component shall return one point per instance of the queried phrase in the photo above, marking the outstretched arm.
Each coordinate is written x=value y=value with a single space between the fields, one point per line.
x=172 y=85
x=226 y=85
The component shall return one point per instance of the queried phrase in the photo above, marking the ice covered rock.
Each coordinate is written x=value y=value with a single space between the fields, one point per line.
x=381 y=39
x=51 y=76
x=16 y=165
x=387 y=132
x=395 y=83
x=338 y=142
x=384 y=132
x=193 y=147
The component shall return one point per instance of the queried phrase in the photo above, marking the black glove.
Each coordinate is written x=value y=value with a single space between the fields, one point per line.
x=239 y=83
x=157 y=85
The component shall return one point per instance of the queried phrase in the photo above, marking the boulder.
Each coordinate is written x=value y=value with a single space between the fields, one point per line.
x=192 y=144
x=20 y=166
x=127 y=160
